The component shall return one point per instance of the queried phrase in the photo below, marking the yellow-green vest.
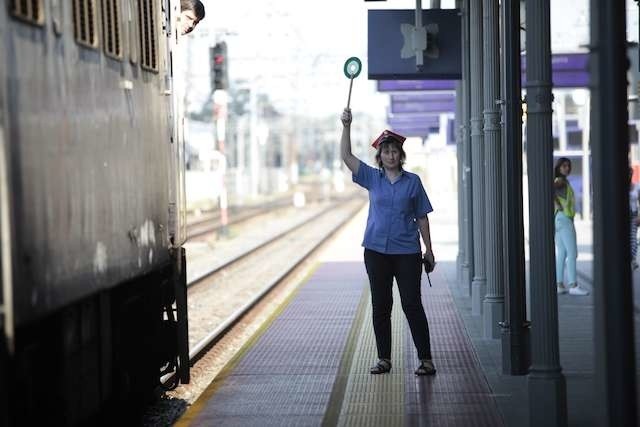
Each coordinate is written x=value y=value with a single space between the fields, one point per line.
x=567 y=203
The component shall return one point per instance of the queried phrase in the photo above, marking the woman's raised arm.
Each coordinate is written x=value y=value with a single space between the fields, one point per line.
x=352 y=162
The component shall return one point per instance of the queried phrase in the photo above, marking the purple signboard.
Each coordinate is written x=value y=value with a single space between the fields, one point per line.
x=422 y=103
x=402 y=85
x=414 y=131
x=565 y=61
x=422 y=97
x=414 y=124
x=565 y=79
x=423 y=107
x=414 y=121
x=569 y=70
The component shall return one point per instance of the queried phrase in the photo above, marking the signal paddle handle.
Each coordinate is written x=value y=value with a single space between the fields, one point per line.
x=350 y=86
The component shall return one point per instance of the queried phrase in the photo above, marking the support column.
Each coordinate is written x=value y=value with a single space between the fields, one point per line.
x=459 y=169
x=614 y=320
x=515 y=329
x=547 y=388
x=494 y=299
x=479 y=283
x=467 y=203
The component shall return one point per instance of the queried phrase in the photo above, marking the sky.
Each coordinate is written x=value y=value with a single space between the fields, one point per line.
x=294 y=50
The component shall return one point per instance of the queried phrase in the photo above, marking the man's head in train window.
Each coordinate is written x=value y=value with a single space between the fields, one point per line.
x=191 y=13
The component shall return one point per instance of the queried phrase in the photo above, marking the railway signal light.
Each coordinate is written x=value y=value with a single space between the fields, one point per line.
x=218 y=67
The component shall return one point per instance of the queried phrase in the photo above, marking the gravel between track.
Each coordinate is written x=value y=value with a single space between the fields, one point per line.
x=211 y=302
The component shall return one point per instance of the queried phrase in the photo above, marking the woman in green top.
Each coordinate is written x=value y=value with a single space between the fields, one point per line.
x=566 y=246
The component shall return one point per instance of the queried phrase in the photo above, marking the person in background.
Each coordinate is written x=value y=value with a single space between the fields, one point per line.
x=398 y=208
x=191 y=13
x=634 y=221
x=565 y=238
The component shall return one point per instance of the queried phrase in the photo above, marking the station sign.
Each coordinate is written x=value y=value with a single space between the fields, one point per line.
x=423 y=103
x=386 y=41
x=568 y=70
x=565 y=61
x=409 y=125
x=414 y=120
x=422 y=131
x=415 y=85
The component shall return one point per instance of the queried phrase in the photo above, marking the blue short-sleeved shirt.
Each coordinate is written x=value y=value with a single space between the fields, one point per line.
x=393 y=210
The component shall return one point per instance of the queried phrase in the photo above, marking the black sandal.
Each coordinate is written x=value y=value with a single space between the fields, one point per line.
x=382 y=367
x=426 y=368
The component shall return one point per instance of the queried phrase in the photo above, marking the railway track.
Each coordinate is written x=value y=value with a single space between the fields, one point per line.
x=211 y=222
x=222 y=296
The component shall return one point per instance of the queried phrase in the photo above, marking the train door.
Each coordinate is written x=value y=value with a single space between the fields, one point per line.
x=173 y=77
x=177 y=200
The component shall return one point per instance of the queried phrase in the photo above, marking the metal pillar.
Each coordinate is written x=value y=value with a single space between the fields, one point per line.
x=614 y=332
x=515 y=328
x=547 y=387
x=479 y=283
x=467 y=221
x=459 y=158
x=493 y=303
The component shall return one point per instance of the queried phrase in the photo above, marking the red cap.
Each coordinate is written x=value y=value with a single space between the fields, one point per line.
x=387 y=134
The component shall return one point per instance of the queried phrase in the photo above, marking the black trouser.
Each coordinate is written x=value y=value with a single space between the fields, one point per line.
x=407 y=270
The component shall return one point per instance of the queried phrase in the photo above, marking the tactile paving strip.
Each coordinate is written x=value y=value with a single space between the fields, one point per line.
x=458 y=395
x=287 y=377
x=295 y=368
x=376 y=400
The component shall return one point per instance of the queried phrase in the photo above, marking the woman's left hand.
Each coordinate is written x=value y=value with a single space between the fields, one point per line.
x=430 y=258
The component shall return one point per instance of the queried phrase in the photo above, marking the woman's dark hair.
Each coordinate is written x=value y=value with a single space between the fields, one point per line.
x=388 y=141
x=195 y=5
x=560 y=162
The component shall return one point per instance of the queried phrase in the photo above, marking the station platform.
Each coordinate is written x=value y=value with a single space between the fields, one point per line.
x=310 y=363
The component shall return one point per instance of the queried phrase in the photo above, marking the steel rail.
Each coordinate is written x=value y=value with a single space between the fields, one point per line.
x=241 y=215
x=249 y=251
x=201 y=348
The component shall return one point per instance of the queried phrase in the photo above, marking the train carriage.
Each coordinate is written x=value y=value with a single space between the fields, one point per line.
x=93 y=306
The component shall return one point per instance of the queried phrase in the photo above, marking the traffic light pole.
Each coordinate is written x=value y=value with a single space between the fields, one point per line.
x=219 y=86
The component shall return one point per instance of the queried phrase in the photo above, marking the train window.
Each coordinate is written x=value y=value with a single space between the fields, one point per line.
x=132 y=41
x=84 y=23
x=112 y=28
x=147 y=11
x=30 y=11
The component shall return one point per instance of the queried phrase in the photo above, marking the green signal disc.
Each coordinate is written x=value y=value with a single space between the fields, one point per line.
x=352 y=67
